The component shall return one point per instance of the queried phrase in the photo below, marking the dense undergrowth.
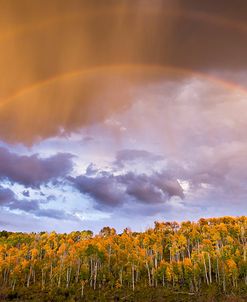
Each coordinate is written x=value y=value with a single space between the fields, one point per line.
x=210 y=294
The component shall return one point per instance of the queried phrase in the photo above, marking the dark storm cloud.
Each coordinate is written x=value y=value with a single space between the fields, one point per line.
x=33 y=171
x=154 y=188
x=104 y=189
x=108 y=190
x=9 y=200
x=42 y=42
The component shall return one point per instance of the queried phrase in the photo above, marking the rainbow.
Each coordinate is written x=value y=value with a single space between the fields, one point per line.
x=152 y=69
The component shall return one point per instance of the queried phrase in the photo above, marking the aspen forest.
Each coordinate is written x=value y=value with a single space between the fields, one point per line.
x=188 y=258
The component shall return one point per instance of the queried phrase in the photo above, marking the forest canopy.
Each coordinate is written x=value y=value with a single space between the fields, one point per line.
x=183 y=256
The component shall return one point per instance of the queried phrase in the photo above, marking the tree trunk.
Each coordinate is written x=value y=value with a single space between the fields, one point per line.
x=205 y=268
x=82 y=288
x=209 y=269
x=67 y=277
x=218 y=271
x=13 y=285
x=91 y=270
x=149 y=276
x=133 y=277
x=78 y=270
x=224 y=278
x=42 y=279
x=29 y=276
x=95 y=275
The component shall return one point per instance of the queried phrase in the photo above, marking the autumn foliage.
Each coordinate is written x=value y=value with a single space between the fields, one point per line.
x=188 y=256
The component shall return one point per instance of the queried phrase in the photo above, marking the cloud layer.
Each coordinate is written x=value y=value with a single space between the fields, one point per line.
x=33 y=171
x=9 y=200
x=109 y=190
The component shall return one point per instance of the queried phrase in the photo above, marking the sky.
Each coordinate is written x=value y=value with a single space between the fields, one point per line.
x=121 y=113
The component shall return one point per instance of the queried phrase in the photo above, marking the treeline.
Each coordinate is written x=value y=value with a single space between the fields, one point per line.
x=188 y=256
